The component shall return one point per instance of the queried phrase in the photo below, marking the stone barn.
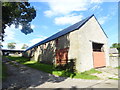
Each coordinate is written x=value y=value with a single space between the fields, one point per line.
x=85 y=41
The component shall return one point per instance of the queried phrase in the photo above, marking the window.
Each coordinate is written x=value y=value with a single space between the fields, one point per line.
x=97 y=47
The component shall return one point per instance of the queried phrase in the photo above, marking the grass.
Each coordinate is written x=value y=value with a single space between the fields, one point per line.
x=4 y=73
x=52 y=70
x=118 y=67
x=114 y=78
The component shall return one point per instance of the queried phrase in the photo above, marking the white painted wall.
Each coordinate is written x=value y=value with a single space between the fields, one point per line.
x=88 y=33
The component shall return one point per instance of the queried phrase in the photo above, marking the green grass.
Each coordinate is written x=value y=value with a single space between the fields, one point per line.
x=114 y=78
x=118 y=67
x=52 y=70
x=4 y=73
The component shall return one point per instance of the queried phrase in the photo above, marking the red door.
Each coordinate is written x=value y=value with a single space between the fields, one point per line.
x=61 y=56
x=99 y=59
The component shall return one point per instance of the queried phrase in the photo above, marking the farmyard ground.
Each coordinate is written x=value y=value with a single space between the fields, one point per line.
x=26 y=77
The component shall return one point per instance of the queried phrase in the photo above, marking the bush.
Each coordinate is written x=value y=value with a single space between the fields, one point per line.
x=69 y=67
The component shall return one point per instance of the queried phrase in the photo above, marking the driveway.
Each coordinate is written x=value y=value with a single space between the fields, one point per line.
x=26 y=77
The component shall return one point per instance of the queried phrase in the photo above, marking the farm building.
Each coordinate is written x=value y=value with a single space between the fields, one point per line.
x=85 y=41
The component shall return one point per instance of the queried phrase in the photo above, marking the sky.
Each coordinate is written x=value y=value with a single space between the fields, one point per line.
x=53 y=16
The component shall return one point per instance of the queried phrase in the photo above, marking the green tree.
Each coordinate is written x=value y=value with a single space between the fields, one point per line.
x=116 y=45
x=24 y=46
x=11 y=45
x=17 y=13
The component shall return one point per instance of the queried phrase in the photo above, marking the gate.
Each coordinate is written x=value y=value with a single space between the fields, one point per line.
x=99 y=59
x=61 y=56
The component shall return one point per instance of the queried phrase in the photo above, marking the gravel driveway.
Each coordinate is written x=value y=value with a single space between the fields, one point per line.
x=26 y=77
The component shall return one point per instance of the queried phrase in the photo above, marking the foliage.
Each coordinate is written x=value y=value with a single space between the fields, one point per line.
x=11 y=45
x=24 y=46
x=55 y=71
x=18 y=13
x=70 y=66
x=116 y=45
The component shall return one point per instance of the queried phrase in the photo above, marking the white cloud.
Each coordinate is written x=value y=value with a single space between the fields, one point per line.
x=32 y=26
x=10 y=36
x=64 y=7
x=95 y=7
x=97 y=1
x=68 y=19
x=36 y=40
x=102 y=20
x=106 y=18
x=9 y=33
x=20 y=27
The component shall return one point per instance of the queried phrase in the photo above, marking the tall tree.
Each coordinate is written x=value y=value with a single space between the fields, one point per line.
x=11 y=45
x=17 y=13
x=24 y=46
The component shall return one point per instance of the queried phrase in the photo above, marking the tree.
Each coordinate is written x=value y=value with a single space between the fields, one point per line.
x=17 y=13
x=11 y=45
x=116 y=45
x=24 y=46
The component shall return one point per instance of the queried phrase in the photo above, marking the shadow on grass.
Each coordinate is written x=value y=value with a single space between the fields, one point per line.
x=47 y=73
x=24 y=77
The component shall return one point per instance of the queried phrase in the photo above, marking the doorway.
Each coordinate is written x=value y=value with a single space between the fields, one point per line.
x=98 y=55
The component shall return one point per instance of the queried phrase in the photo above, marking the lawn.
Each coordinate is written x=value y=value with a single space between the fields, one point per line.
x=114 y=78
x=4 y=72
x=118 y=67
x=52 y=70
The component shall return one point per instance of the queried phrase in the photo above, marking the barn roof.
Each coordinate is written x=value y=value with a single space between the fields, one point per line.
x=63 y=32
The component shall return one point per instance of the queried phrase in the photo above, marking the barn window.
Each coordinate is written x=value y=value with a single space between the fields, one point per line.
x=97 y=47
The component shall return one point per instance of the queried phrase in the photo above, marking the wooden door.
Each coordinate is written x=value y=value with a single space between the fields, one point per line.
x=61 y=56
x=99 y=59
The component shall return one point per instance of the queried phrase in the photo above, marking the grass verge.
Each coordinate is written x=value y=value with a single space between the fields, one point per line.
x=52 y=70
x=118 y=67
x=114 y=78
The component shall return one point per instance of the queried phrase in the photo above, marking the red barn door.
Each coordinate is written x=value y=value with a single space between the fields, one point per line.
x=98 y=55
x=61 y=56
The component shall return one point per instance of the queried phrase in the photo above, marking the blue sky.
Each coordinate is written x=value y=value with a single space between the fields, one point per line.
x=53 y=16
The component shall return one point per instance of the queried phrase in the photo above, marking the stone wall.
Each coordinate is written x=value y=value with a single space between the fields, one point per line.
x=114 y=61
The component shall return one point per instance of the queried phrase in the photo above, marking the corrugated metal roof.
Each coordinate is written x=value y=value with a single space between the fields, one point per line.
x=63 y=32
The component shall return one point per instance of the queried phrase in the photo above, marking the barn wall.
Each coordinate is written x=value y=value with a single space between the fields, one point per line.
x=88 y=33
x=79 y=43
x=46 y=52
x=63 y=42
x=74 y=47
